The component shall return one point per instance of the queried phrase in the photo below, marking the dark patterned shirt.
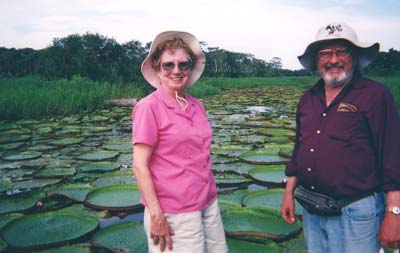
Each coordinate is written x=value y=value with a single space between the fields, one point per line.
x=351 y=147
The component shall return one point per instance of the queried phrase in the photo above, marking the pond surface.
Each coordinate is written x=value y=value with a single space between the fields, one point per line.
x=71 y=171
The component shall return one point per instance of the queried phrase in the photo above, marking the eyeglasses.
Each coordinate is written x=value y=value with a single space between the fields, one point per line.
x=183 y=66
x=340 y=52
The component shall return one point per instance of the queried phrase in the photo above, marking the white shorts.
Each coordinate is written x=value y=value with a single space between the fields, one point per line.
x=195 y=232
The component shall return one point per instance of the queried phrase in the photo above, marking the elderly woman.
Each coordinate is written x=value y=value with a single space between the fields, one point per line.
x=172 y=140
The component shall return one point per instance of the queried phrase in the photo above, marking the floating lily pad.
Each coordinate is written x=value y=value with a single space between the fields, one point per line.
x=99 y=166
x=233 y=196
x=239 y=168
x=126 y=178
x=262 y=157
x=225 y=204
x=115 y=197
x=258 y=222
x=19 y=202
x=97 y=129
x=67 y=130
x=231 y=180
x=19 y=173
x=43 y=130
x=98 y=155
x=270 y=174
x=122 y=147
x=76 y=192
x=54 y=172
x=276 y=132
x=6 y=218
x=14 y=138
x=41 y=147
x=128 y=236
x=268 y=197
x=3 y=245
x=65 y=141
x=34 y=183
x=11 y=146
x=5 y=185
x=242 y=246
x=77 y=248
x=47 y=229
x=25 y=155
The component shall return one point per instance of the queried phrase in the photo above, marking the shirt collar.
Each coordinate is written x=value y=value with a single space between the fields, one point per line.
x=170 y=103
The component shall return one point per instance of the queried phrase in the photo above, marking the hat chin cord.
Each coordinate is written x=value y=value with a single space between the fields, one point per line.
x=181 y=101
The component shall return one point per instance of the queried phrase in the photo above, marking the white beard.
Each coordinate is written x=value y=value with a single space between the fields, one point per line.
x=337 y=80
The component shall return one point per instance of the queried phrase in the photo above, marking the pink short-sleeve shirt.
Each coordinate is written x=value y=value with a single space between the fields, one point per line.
x=180 y=165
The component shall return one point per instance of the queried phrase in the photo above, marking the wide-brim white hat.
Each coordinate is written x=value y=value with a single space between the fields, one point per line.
x=366 y=52
x=151 y=75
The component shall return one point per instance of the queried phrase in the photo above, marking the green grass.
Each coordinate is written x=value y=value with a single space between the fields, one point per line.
x=35 y=98
x=32 y=97
x=212 y=86
x=393 y=83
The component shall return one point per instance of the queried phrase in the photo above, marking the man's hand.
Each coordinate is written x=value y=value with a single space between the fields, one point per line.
x=389 y=233
x=288 y=209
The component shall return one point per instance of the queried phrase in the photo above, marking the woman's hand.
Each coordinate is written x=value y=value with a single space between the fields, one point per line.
x=160 y=231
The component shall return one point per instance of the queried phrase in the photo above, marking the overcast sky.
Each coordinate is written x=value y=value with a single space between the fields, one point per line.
x=264 y=28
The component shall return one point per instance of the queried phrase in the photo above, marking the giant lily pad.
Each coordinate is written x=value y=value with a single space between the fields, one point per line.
x=6 y=218
x=14 y=138
x=25 y=155
x=271 y=175
x=47 y=229
x=11 y=146
x=76 y=248
x=54 y=172
x=76 y=192
x=122 y=147
x=258 y=222
x=119 y=177
x=128 y=236
x=225 y=204
x=98 y=155
x=115 y=197
x=5 y=185
x=233 y=196
x=3 y=245
x=34 y=183
x=242 y=246
x=262 y=157
x=231 y=180
x=65 y=141
x=99 y=166
x=19 y=202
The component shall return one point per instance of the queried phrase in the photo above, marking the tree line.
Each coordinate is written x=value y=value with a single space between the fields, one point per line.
x=103 y=59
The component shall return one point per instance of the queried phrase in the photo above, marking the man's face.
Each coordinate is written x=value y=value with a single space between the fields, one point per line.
x=335 y=64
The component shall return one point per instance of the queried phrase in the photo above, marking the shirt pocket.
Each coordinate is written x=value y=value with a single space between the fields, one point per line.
x=345 y=125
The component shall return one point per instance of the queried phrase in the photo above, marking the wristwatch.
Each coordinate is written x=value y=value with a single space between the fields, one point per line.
x=393 y=209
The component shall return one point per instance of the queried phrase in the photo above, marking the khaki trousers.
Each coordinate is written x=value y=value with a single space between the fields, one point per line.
x=195 y=232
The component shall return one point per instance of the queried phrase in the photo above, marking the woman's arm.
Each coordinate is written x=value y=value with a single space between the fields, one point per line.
x=159 y=227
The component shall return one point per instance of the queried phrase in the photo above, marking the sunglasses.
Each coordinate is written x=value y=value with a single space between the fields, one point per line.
x=183 y=66
x=340 y=52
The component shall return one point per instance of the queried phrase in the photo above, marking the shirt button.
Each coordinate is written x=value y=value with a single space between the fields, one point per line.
x=324 y=114
x=311 y=150
x=318 y=132
x=309 y=169
x=312 y=187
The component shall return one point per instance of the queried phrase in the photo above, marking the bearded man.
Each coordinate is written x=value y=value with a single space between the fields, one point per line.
x=345 y=166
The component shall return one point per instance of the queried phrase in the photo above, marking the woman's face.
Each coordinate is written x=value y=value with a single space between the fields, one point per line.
x=175 y=70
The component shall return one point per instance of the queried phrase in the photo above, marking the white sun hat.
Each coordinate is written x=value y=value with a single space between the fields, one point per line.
x=338 y=31
x=151 y=75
